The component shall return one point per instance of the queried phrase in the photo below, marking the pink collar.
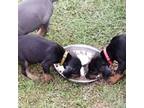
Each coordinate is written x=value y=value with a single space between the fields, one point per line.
x=107 y=56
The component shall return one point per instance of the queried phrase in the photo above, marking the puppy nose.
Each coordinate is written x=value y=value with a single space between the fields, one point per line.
x=107 y=72
x=107 y=68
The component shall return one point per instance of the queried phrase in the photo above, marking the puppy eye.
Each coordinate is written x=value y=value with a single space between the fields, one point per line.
x=103 y=63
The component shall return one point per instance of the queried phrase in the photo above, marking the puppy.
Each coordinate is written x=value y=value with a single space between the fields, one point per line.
x=34 y=14
x=116 y=50
x=33 y=49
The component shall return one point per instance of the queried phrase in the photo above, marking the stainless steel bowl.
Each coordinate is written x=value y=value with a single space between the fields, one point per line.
x=85 y=53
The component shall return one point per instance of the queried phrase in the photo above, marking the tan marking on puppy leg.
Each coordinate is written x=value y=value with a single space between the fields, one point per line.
x=114 y=79
x=42 y=31
x=31 y=76
x=112 y=72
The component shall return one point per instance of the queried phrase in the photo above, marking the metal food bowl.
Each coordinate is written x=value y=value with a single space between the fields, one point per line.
x=85 y=53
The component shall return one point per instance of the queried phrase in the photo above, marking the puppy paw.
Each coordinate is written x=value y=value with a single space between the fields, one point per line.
x=114 y=79
x=32 y=77
x=46 y=78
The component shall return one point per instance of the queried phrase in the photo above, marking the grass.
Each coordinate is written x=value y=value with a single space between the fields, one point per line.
x=92 y=22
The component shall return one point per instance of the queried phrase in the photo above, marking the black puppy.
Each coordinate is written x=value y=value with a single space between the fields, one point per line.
x=116 y=50
x=34 y=14
x=33 y=49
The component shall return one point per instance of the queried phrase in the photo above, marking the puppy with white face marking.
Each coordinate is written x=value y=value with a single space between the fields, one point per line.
x=116 y=50
x=33 y=49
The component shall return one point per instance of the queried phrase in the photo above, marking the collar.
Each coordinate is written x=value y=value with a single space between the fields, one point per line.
x=107 y=56
x=64 y=57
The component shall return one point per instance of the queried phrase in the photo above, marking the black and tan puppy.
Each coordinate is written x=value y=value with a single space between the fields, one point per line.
x=33 y=49
x=116 y=50
x=33 y=15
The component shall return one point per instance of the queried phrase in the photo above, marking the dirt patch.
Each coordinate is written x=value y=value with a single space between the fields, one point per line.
x=38 y=71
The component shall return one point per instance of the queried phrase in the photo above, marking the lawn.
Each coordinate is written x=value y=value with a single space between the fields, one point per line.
x=92 y=22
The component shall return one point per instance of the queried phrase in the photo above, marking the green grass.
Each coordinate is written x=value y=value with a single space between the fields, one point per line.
x=92 y=22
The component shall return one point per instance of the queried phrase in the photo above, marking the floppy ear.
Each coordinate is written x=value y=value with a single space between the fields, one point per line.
x=68 y=71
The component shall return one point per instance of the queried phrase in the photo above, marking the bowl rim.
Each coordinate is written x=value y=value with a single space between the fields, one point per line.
x=82 y=45
x=74 y=80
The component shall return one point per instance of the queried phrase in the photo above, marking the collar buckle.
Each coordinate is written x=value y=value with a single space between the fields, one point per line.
x=64 y=57
x=107 y=56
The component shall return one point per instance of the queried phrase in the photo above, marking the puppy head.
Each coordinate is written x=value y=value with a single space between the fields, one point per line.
x=73 y=67
x=99 y=65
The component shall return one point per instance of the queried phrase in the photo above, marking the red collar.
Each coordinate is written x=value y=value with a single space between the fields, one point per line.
x=107 y=56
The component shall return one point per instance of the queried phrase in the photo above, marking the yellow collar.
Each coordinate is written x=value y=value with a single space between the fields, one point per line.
x=64 y=57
